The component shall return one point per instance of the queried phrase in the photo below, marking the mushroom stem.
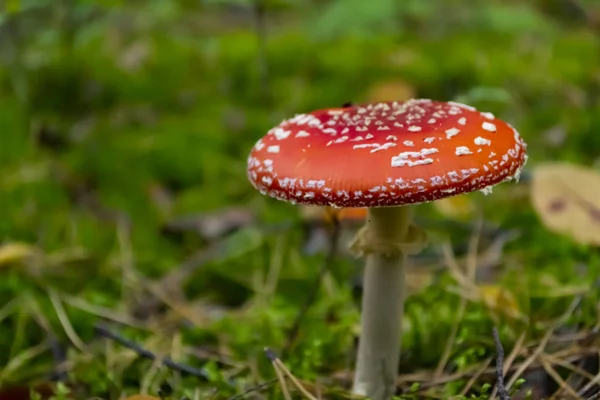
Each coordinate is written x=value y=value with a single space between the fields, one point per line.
x=382 y=306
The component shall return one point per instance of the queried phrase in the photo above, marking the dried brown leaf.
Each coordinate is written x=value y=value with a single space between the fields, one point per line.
x=567 y=200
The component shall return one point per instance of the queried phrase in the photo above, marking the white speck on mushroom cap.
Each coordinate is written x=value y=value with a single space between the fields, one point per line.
x=480 y=141
x=337 y=157
x=452 y=132
x=462 y=150
x=488 y=126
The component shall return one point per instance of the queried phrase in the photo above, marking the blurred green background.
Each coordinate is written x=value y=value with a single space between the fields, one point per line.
x=124 y=132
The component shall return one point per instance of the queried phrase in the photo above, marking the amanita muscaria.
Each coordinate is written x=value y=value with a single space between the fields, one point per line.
x=385 y=156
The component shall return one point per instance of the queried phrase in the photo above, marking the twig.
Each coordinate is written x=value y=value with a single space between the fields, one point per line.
x=502 y=392
x=510 y=360
x=144 y=353
x=333 y=245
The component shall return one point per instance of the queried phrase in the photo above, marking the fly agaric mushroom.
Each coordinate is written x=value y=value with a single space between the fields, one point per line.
x=385 y=156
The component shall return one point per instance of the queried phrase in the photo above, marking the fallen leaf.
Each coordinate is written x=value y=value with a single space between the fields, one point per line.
x=566 y=197
x=500 y=300
x=15 y=252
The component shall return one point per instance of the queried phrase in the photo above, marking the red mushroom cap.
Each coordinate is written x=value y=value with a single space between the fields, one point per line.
x=385 y=154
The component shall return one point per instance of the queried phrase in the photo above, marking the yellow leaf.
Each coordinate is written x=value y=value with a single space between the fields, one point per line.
x=455 y=207
x=500 y=300
x=390 y=90
x=14 y=252
x=567 y=199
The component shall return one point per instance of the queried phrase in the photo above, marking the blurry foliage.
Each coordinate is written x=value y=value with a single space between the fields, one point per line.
x=117 y=113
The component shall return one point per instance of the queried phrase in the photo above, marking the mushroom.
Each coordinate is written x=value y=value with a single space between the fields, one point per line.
x=385 y=156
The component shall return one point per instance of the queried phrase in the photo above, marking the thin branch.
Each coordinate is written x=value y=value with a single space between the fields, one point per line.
x=502 y=392
x=510 y=360
x=144 y=353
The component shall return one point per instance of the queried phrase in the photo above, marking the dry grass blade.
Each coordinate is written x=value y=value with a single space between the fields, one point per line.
x=254 y=389
x=540 y=348
x=282 y=383
x=476 y=376
x=21 y=359
x=102 y=312
x=65 y=322
x=554 y=360
x=281 y=366
x=595 y=380
x=329 y=258
x=514 y=353
x=467 y=281
x=560 y=381
x=451 y=338
x=295 y=380
x=183 y=310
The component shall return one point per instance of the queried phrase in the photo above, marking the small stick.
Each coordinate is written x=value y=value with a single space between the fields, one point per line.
x=144 y=353
x=502 y=392
x=510 y=360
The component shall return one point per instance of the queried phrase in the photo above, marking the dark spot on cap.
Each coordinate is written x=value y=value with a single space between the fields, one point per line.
x=347 y=104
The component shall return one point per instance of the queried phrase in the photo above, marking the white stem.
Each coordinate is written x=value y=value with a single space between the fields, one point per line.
x=382 y=309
